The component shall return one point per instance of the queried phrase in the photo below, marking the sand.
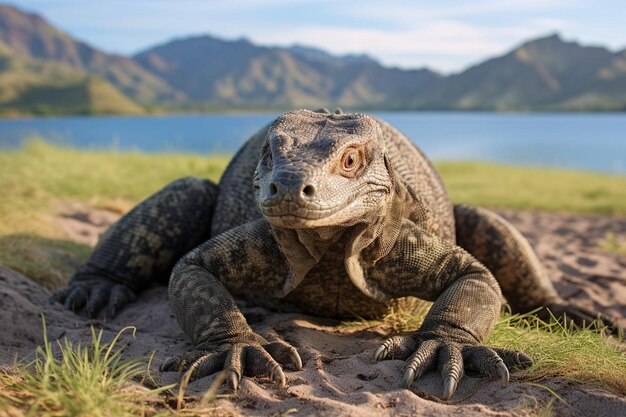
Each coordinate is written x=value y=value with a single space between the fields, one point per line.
x=339 y=377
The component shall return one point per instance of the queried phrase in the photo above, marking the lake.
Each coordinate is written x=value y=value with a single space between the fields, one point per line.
x=594 y=142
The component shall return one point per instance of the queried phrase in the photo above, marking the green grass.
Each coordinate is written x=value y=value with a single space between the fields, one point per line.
x=36 y=177
x=580 y=355
x=90 y=380
x=503 y=186
x=75 y=380
x=49 y=262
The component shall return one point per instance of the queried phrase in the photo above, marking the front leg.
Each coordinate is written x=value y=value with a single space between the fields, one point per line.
x=466 y=307
x=245 y=259
x=142 y=247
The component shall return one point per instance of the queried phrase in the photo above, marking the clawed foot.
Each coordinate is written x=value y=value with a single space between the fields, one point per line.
x=93 y=295
x=451 y=359
x=238 y=359
x=577 y=316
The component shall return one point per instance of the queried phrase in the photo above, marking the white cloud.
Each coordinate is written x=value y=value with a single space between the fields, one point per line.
x=407 y=12
x=445 y=44
x=442 y=34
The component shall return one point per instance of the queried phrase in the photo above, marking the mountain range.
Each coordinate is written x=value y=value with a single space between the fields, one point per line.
x=43 y=70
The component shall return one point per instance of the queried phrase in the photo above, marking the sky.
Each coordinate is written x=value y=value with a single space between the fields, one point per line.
x=444 y=35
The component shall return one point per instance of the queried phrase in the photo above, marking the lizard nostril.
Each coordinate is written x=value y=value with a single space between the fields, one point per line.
x=308 y=191
x=273 y=189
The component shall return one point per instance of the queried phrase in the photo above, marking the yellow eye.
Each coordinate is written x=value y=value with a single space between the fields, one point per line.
x=350 y=160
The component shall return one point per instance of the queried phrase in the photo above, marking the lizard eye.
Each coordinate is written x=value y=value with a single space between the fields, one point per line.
x=350 y=160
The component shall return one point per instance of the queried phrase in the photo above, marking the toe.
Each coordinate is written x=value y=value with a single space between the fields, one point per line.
x=98 y=298
x=234 y=364
x=451 y=369
x=76 y=299
x=206 y=365
x=120 y=296
x=170 y=364
x=486 y=361
x=259 y=362
x=200 y=360
x=396 y=347
x=59 y=296
x=421 y=361
x=285 y=354
x=513 y=359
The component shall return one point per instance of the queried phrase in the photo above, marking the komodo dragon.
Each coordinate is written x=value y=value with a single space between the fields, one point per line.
x=330 y=214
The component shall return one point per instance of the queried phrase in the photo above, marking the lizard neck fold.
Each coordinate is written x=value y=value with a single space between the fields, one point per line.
x=373 y=240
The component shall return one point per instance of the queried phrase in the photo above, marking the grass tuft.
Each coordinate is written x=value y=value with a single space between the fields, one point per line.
x=81 y=380
x=404 y=315
x=581 y=355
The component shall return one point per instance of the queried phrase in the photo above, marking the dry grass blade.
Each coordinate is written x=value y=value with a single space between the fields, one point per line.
x=581 y=355
x=79 y=380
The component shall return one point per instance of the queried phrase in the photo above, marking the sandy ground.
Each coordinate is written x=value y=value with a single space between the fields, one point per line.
x=338 y=376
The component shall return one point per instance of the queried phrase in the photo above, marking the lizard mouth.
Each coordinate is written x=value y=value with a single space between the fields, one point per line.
x=293 y=215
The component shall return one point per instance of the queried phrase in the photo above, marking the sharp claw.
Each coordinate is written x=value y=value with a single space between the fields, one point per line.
x=503 y=372
x=76 y=299
x=181 y=364
x=59 y=295
x=278 y=376
x=233 y=380
x=524 y=360
x=296 y=360
x=449 y=387
x=380 y=353
x=167 y=365
x=409 y=377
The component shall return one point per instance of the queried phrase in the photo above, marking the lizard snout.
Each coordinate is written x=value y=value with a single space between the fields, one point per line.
x=289 y=186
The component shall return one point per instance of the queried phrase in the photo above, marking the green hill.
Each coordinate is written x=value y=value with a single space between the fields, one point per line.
x=30 y=36
x=44 y=70
x=31 y=86
x=236 y=73
x=88 y=95
x=544 y=74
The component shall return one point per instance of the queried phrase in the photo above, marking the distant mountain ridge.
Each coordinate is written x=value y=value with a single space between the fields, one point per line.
x=44 y=70
x=543 y=74
x=239 y=73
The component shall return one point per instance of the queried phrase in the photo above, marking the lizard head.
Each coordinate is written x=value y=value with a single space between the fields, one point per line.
x=321 y=169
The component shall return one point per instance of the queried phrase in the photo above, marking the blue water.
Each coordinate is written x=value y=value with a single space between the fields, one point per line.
x=595 y=142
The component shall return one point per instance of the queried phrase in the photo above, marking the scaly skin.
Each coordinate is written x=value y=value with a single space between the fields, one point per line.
x=328 y=214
